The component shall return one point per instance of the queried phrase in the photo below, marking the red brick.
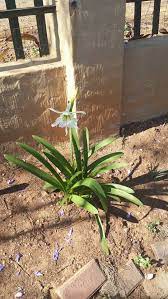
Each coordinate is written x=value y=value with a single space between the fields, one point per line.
x=83 y=284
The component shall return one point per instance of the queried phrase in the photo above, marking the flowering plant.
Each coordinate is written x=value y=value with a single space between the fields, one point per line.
x=76 y=178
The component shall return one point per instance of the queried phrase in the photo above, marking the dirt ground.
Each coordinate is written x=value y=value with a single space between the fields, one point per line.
x=28 y=25
x=33 y=224
x=147 y=15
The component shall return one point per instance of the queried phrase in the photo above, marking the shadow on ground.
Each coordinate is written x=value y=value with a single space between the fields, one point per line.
x=145 y=195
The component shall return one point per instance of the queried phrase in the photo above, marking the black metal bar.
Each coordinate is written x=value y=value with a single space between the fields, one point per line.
x=15 y=31
x=156 y=17
x=20 y=12
x=131 y=1
x=42 y=30
x=137 y=18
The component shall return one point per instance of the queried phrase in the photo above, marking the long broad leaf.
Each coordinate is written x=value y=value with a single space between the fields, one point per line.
x=104 y=243
x=73 y=179
x=102 y=144
x=83 y=203
x=34 y=170
x=77 y=152
x=123 y=188
x=39 y=157
x=96 y=188
x=53 y=150
x=118 y=192
x=49 y=188
x=65 y=171
x=114 y=197
x=105 y=159
x=106 y=168
x=85 y=138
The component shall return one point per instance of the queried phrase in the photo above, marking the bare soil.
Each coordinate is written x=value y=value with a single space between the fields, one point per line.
x=31 y=223
x=147 y=15
x=28 y=26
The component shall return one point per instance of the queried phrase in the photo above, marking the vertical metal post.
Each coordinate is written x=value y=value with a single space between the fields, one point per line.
x=42 y=30
x=15 y=31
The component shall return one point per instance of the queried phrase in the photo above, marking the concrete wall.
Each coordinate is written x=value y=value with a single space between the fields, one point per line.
x=25 y=96
x=28 y=88
x=98 y=62
x=117 y=83
x=145 y=80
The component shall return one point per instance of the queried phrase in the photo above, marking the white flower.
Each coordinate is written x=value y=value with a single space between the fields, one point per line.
x=67 y=119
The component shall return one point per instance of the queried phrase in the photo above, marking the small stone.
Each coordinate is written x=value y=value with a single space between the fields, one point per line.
x=10 y=181
x=19 y=294
x=83 y=284
x=129 y=278
x=160 y=250
x=149 y=276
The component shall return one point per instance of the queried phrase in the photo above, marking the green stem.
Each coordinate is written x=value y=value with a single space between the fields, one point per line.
x=71 y=147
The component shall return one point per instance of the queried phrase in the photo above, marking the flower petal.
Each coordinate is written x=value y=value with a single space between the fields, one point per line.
x=38 y=273
x=72 y=123
x=2 y=267
x=63 y=124
x=61 y=213
x=56 y=111
x=57 y=122
x=82 y=112
x=18 y=257
x=56 y=255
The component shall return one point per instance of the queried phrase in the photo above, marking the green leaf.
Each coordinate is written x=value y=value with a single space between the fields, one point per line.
x=96 y=188
x=83 y=203
x=34 y=170
x=64 y=170
x=74 y=132
x=123 y=188
x=118 y=192
x=104 y=169
x=116 y=198
x=49 y=188
x=102 y=144
x=73 y=179
x=85 y=137
x=40 y=158
x=53 y=150
x=77 y=152
x=104 y=243
x=105 y=159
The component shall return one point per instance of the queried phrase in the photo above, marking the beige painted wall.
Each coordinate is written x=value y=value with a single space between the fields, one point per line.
x=116 y=84
x=98 y=61
x=25 y=96
x=145 y=81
